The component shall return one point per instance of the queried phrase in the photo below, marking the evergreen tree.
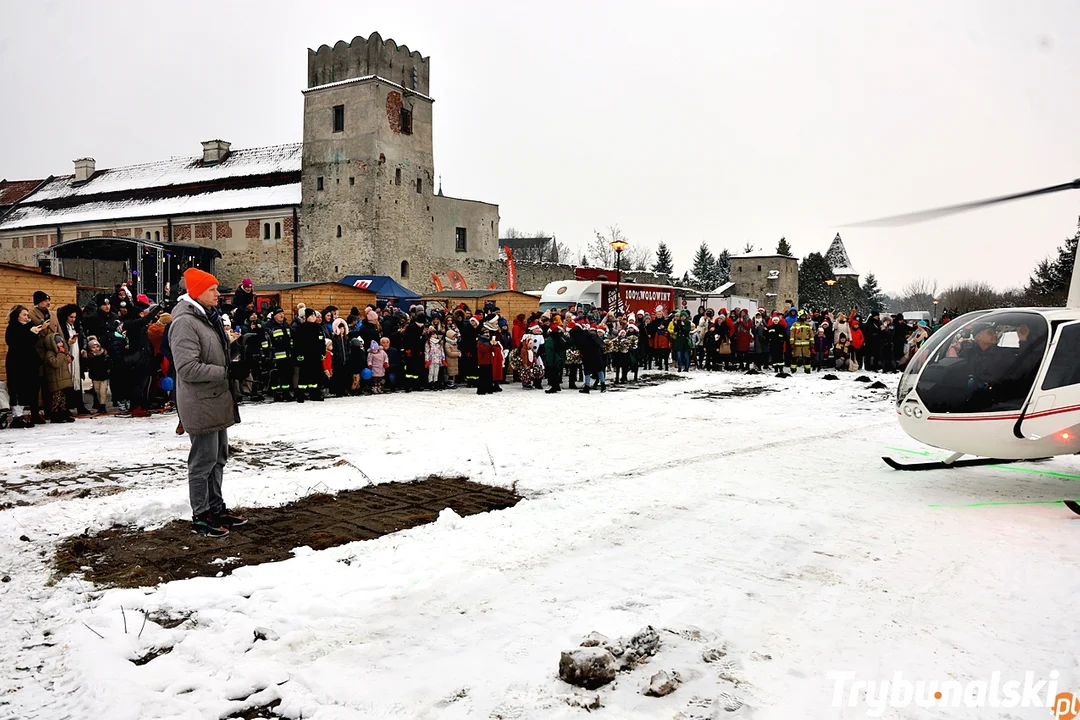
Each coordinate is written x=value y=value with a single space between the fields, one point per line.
x=1049 y=285
x=703 y=268
x=584 y=261
x=782 y=247
x=723 y=269
x=872 y=299
x=663 y=264
x=814 y=294
x=748 y=248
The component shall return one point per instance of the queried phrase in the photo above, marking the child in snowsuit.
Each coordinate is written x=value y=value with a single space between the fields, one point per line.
x=99 y=365
x=378 y=362
x=434 y=358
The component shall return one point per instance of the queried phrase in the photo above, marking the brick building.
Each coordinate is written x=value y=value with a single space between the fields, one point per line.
x=357 y=196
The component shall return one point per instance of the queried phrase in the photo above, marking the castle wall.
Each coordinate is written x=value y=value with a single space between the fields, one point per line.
x=372 y=56
x=481 y=223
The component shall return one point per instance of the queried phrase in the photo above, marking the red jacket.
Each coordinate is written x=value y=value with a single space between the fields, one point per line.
x=484 y=353
x=857 y=337
x=744 y=335
x=496 y=362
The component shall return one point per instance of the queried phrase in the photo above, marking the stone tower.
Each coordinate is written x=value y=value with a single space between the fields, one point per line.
x=367 y=170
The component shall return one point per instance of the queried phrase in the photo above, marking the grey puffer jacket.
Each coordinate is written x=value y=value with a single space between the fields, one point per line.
x=200 y=355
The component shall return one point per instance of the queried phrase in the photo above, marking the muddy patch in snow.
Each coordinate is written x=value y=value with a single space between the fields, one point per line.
x=735 y=392
x=649 y=379
x=132 y=557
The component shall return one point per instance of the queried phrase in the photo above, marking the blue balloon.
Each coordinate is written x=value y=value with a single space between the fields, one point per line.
x=365 y=373
x=167 y=383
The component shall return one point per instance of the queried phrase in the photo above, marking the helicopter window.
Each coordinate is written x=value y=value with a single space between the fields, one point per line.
x=1065 y=365
x=929 y=348
x=988 y=364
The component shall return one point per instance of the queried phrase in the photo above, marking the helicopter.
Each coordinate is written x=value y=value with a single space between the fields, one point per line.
x=999 y=385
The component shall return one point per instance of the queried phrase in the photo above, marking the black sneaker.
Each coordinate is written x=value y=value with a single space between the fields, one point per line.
x=205 y=526
x=229 y=519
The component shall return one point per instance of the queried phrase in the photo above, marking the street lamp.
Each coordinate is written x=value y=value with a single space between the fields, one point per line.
x=618 y=245
x=830 y=282
x=934 y=316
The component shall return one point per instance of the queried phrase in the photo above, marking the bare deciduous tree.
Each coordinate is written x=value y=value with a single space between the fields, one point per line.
x=918 y=294
x=545 y=249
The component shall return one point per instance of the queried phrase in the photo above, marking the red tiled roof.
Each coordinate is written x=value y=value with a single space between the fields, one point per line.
x=12 y=191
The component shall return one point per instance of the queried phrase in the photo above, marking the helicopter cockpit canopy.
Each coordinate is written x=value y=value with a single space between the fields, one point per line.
x=982 y=362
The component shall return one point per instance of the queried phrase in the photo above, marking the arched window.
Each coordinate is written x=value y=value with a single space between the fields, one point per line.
x=266 y=231
x=404 y=269
x=147 y=235
x=339 y=231
x=277 y=231
x=157 y=235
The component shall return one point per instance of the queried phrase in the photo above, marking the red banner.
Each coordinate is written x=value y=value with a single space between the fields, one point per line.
x=511 y=272
x=436 y=282
x=457 y=281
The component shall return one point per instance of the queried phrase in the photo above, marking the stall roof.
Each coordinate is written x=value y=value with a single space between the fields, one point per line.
x=383 y=286
x=471 y=293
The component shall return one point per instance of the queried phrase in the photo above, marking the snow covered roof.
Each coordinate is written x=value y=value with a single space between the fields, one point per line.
x=175 y=171
x=762 y=255
x=838 y=258
x=24 y=216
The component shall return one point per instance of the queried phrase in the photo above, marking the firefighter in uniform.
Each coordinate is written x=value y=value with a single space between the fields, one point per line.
x=278 y=347
x=802 y=338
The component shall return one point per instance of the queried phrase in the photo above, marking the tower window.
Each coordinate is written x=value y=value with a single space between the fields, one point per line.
x=406 y=121
x=461 y=243
x=266 y=231
x=339 y=231
x=352 y=181
x=759 y=268
x=739 y=269
x=404 y=269
x=157 y=235
x=419 y=185
x=147 y=236
x=339 y=118
x=397 y=176
x=277 y=231
x=318 y=183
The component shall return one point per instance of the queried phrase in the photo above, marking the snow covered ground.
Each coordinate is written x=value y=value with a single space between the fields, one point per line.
x=764 y=526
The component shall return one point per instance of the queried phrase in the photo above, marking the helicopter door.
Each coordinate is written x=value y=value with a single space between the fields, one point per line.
x=1054 y=405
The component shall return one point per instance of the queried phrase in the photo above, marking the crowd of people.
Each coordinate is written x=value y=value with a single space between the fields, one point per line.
x=76 y=361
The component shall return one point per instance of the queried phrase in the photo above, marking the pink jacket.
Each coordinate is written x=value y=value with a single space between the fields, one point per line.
x=377 y=361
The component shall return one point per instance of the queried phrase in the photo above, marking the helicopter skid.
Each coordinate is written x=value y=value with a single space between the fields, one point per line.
x=1073 y=505
x=943 y=465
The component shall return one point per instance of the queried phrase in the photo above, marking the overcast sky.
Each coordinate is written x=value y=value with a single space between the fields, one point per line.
x=729 y=122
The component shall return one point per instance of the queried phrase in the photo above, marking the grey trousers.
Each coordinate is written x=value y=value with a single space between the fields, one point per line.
x=206 y=466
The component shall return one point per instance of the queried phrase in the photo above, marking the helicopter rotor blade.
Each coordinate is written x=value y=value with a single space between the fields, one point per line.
x=924 y=215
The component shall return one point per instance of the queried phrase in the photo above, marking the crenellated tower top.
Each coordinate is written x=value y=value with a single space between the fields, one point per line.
x=366 y=57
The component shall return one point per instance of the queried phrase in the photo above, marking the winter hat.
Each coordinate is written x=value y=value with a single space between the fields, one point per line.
x=143 y=299
x=535 y=328
x=246 y=282
x=198 y=281
x=92 y=341
x=40 y=297
x=451 y=333
x=329 y=343
x=310 y=312
x=372 y=317
x=633 y=328
x=491 y=326
x=339 y=322
x=622 y=333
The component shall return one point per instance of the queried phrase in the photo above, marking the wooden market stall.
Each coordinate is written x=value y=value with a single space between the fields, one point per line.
x=511 y=303
x=18 y=283
x=315 y=295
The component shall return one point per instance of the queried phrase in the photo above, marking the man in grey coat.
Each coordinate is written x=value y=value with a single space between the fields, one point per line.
x=204 y=401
